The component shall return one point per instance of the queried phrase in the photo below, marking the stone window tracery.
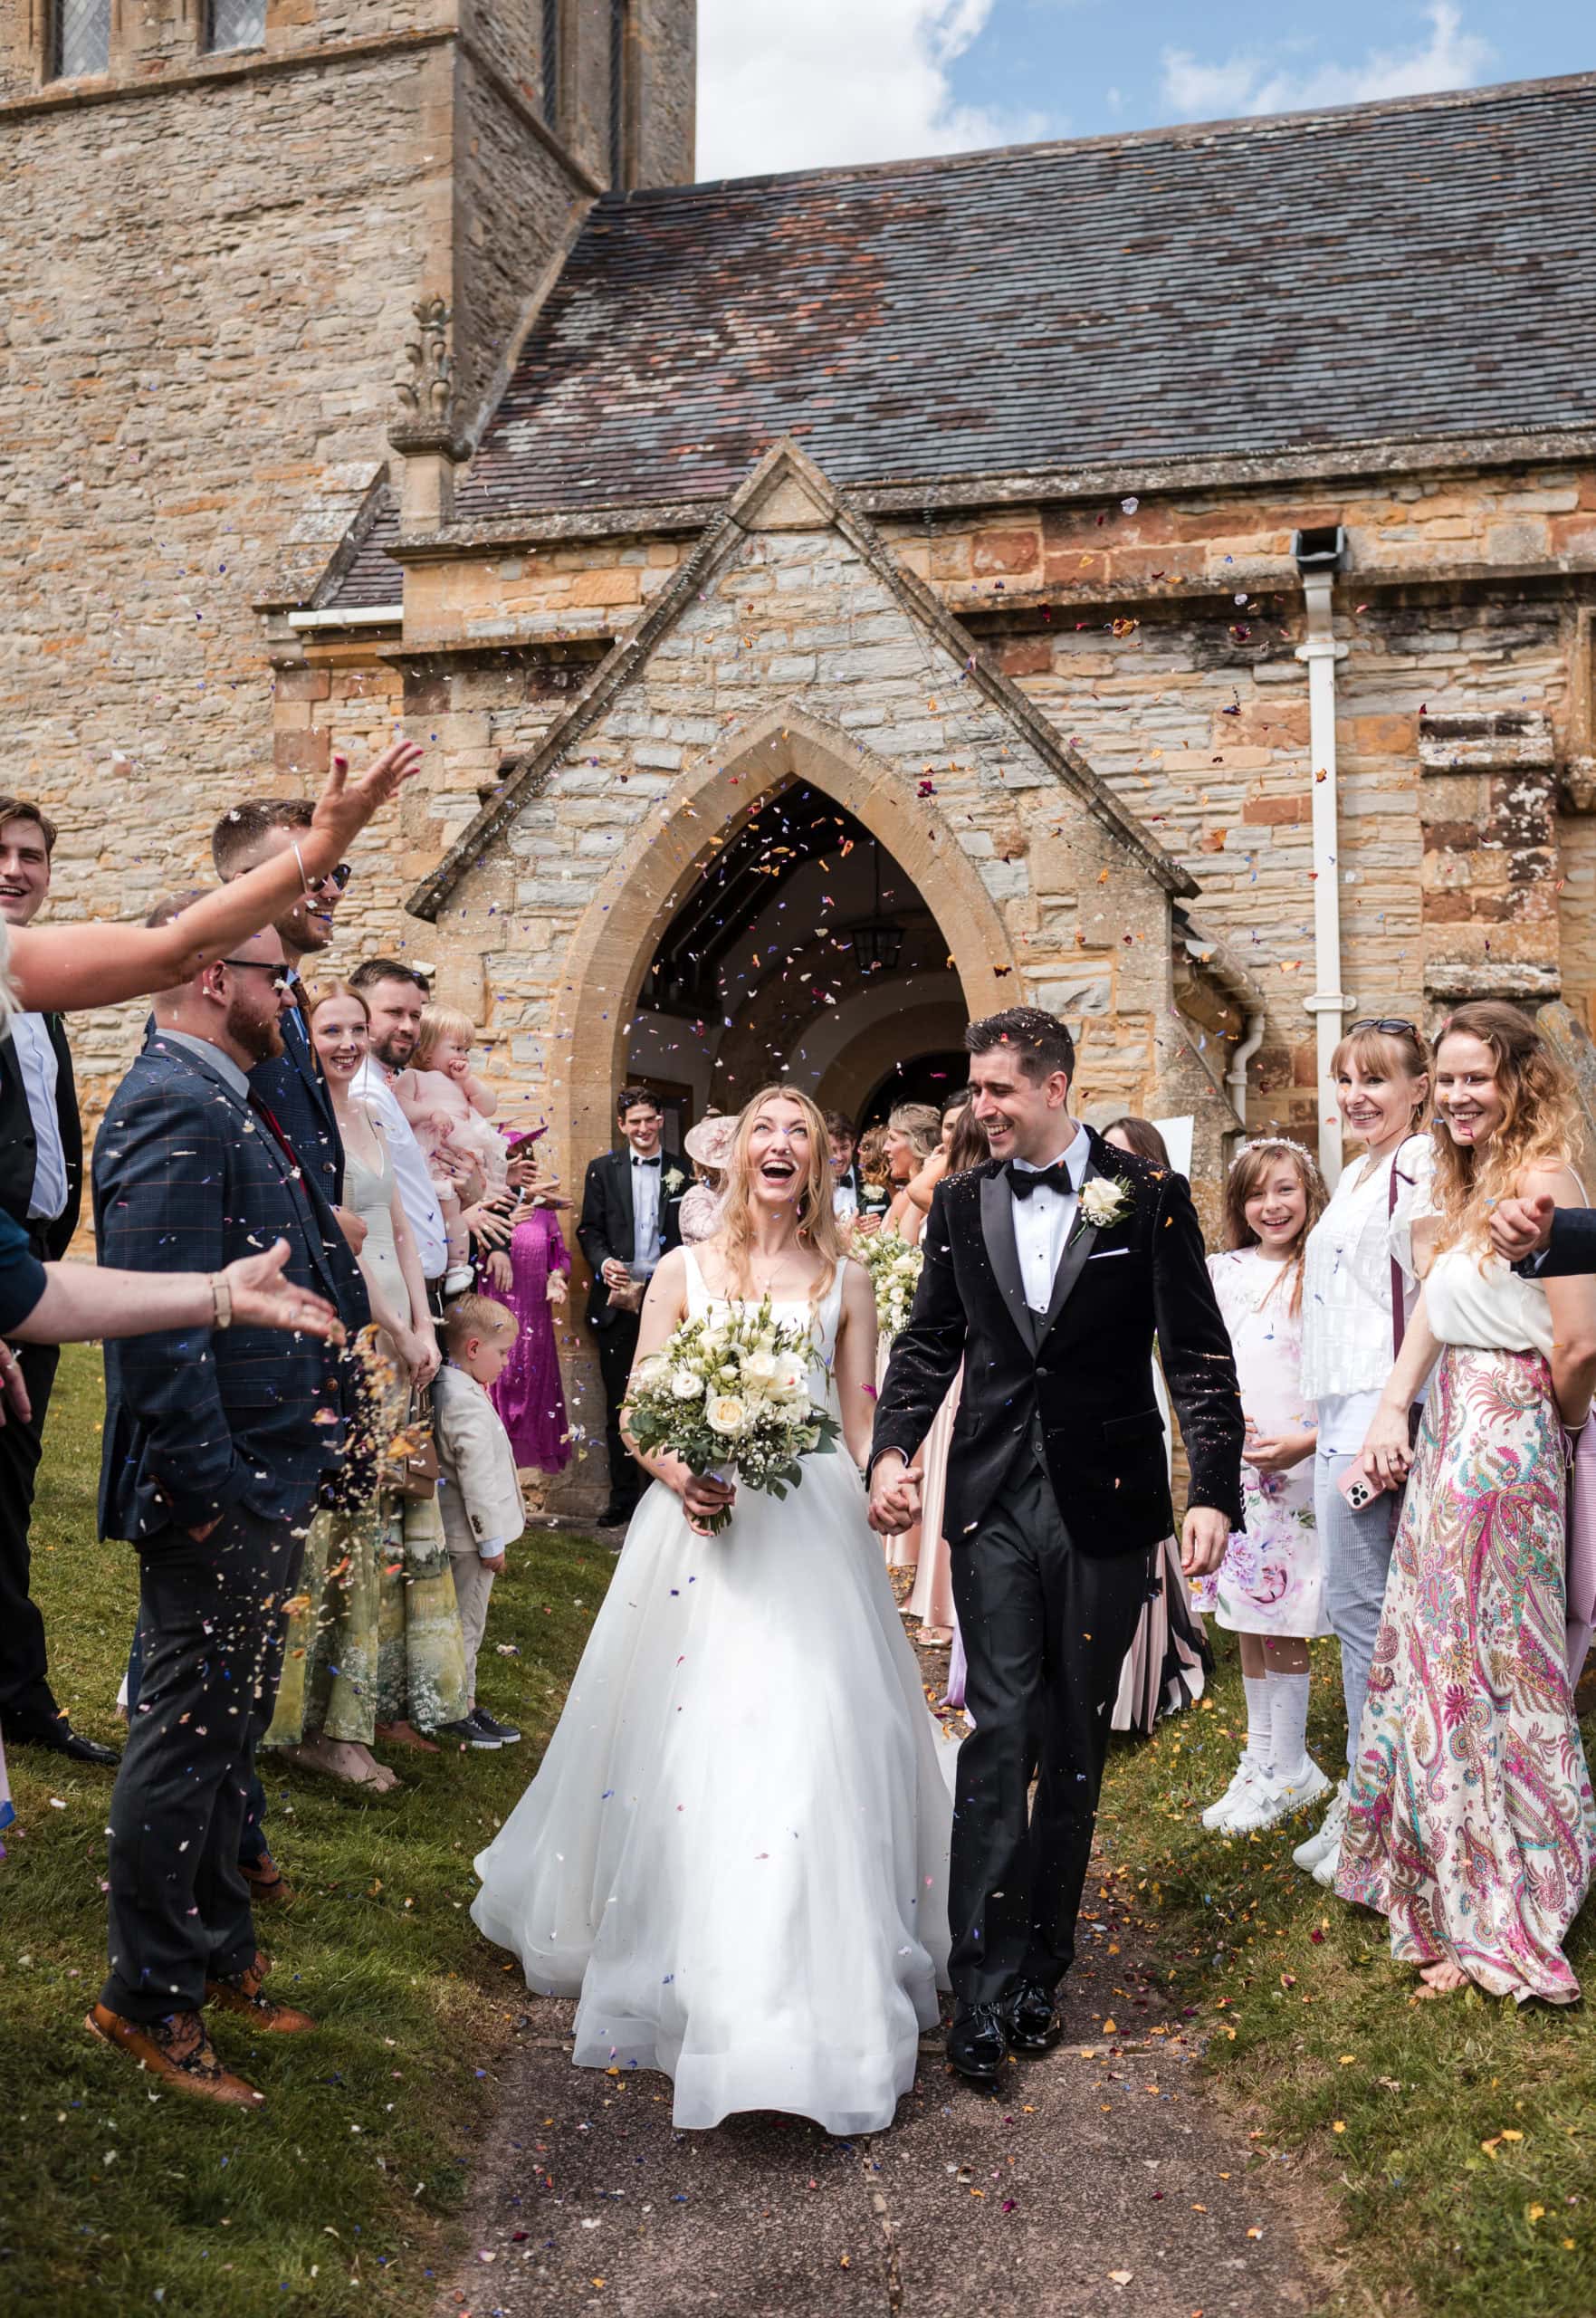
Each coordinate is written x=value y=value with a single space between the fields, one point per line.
x=235 y=24
x=80 y=38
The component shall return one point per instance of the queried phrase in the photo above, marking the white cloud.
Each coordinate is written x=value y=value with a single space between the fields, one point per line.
x=1451 y=58
x=804 y=84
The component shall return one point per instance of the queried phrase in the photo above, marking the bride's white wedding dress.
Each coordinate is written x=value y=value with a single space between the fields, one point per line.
x=736 y=1850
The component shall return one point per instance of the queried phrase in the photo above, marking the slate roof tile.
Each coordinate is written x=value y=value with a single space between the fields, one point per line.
x=1406 y=270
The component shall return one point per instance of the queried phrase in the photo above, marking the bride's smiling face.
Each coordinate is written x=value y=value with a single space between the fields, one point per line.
x=779 y=1154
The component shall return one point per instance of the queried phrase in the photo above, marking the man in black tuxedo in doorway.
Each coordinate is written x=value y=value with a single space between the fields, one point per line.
x=41 y=1188
x=1048 y=1272
x=631 y=1208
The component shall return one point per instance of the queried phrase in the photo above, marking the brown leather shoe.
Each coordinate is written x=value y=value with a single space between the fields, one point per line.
x=268 y=1886
x=177 y=2051
x=243 y=1993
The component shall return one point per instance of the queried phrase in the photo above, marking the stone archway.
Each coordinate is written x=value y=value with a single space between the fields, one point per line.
x=616 y=937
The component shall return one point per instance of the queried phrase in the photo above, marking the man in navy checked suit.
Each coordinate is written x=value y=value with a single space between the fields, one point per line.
x=216 y=1443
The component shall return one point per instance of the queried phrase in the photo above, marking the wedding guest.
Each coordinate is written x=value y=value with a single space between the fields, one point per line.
x=1268 y=1589
x=478 y=1490
x=1359 y=1254
x=631 y=1217
x=216 y=1445
x=927 y=1176
x=913 y=1130
x=709 y=1146
x=1471 y=1826
x=326 y=1718
x=529 y=1395
x=875 y=1190
x=1139 y=1137
x=41 y=1189
x=847 y=1182
x=1544 y=1240
x=964 y=1145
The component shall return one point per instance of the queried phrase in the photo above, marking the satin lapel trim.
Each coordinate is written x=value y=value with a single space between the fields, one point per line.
x=1083 y=1238
x=998 y=1231
x=628 y=1207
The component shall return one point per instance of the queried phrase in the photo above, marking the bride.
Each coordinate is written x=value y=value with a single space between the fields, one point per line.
x=735 y=1852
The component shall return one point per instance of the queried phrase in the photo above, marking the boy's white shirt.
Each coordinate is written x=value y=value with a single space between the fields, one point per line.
x=479 y=1496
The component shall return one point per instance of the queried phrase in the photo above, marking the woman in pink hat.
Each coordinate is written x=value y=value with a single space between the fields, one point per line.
x=709 y=1146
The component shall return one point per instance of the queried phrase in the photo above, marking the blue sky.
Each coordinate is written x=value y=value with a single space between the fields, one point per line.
x=810 y=83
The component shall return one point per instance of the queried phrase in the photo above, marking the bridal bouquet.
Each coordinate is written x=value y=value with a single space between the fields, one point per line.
x=728 y=1394
x=894 y=1269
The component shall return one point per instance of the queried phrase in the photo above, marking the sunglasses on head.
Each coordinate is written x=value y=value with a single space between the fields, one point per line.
x=1384 y=1023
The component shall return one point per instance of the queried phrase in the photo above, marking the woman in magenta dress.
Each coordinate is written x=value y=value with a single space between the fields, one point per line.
x=529 y=1395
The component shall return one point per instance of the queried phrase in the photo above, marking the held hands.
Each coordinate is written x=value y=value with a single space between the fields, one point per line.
x=418 y=1349
x=262 y=1299
x=895 y=1496
x=1522 y=1227
x=1204 y=1535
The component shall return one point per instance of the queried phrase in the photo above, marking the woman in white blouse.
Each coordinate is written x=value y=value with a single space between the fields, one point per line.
x=1382 y=1072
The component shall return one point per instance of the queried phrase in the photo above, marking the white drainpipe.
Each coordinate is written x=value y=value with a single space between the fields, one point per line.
x=1319 y=556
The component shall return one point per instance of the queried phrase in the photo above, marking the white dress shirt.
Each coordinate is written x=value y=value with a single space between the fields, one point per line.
x=646 y=1174
x=35 y=1058
x=1042 y=1222
x=416 y=1195
x=844 y=1198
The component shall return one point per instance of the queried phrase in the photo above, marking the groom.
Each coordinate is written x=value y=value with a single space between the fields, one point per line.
x=1048 y=1273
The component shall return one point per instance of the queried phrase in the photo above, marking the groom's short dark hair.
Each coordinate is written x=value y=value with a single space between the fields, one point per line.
x=1041 y=1043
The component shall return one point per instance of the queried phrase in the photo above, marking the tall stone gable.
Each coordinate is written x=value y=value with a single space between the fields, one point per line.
x=793 y=645
x=207 y=271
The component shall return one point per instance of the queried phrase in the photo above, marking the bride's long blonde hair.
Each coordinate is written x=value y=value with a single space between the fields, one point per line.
x=816 y=1215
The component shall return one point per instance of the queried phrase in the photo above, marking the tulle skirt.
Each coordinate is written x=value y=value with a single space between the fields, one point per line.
x=735 y=1852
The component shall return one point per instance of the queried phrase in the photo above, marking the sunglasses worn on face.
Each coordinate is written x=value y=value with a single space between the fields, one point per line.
x=339 y=876
x=280 y=979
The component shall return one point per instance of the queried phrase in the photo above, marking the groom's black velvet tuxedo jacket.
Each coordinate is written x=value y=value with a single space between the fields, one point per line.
x=1076 y=1382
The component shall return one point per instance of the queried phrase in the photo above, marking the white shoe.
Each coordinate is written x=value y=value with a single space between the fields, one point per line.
x=1326 y=1836
x=1240 y=1791
x=1277 y=1798
x=1324 y=1873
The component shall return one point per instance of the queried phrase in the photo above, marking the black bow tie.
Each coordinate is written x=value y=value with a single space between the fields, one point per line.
x=1024 y=1181
x=638 y=1161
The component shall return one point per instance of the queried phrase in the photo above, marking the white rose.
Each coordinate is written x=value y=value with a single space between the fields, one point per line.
x=725 y=1414
x=685 y=1385
x=1105 y=1200
x=727 y=1371
x=792 y=1374
x=759 y=1368
x=650 y=1372
x=906 y=1267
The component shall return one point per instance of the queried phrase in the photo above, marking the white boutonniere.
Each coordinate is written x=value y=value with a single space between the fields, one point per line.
x=1106 y=1201
x=675 y=1179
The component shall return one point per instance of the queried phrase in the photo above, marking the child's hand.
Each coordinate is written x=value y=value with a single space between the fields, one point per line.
x=457 y=1066
x=496 y=1563
x=498 y=1268
x=557 y=1290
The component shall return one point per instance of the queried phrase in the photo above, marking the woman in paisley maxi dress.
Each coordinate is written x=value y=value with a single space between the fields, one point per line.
x=1471 y=1824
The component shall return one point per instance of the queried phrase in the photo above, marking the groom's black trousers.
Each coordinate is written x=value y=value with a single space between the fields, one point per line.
x=1046 y=1631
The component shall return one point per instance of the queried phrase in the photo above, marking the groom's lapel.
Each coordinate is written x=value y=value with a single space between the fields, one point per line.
x=998 y=1231
x=1081 y=1240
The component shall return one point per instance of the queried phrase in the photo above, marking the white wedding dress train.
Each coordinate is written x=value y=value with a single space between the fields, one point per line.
x=735 y=1852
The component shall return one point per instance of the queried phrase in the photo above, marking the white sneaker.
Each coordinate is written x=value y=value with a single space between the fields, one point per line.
x=1326 y=1872
x=1240 y=1791
x=1326 y=1836
x=1277 y=1798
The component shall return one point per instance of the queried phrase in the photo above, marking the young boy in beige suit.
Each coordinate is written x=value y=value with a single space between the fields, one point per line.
x=478 y=1491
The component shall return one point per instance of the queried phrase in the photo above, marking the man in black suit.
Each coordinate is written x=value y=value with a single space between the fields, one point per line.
x=216 y=1442
x=631 y=1208
x=1047 y=1273
x=41 y=1187
x=1541 y=1239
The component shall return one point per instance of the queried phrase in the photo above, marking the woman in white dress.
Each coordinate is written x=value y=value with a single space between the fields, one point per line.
x=735 y=1852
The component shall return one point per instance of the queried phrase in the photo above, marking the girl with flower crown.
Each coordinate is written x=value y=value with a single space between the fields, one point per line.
x=1268 y=1587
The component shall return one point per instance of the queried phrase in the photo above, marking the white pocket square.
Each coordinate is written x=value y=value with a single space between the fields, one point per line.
x=1103 y=1254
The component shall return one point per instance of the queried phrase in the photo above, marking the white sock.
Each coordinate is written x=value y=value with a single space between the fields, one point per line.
x=1288 y=1723
x=1260 y=1736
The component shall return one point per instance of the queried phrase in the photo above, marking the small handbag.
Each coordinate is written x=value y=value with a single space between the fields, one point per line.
x=415 y=1457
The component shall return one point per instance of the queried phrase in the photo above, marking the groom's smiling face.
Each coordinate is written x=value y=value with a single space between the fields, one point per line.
x=1024 y=1117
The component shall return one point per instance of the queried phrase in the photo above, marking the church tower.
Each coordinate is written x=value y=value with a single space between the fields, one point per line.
x=221 y=215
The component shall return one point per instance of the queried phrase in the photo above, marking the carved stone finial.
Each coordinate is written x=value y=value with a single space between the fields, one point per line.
x=427 y=391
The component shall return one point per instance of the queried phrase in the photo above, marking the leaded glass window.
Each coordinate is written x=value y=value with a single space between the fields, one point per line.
x=549 y=62
x=235 y=24
x=81 y=38
x=617 y=93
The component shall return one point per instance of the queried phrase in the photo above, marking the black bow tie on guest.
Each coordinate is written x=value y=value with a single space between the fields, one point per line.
x=1024 y=1181
x=639 y=1161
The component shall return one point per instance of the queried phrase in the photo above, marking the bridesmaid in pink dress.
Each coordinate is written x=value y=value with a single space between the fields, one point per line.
x=963 y=1146
x=529 y=1395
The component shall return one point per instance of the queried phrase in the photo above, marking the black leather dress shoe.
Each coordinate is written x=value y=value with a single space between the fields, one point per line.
x=978 y=2044
x=62 y=1739
x=1031 y=2017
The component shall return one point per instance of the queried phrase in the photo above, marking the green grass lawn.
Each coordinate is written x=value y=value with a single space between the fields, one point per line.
x=1456 y=2139
x=341 y=2195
